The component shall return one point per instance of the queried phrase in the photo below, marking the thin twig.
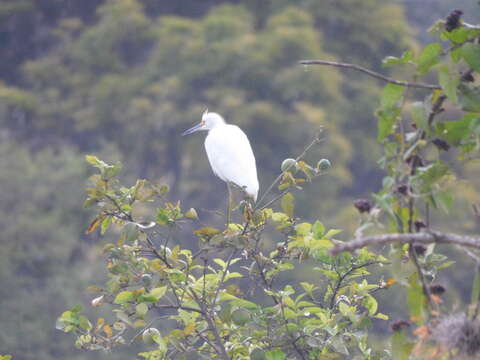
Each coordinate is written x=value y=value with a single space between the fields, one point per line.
x=371 y=73
x=181 y=307
x=421 y=276
x=423 y=237
x=338 y=285
x=316 y=140
x=294 y=341
x=222 y=280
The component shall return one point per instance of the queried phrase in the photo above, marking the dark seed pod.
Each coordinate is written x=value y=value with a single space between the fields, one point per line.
x=437 y=289
x=402 y=189
x=441 y=144
x=419 y=249
x=453 y=20
x=363 y=205
x=399 y=325
x=419 y=225
x=467 y=77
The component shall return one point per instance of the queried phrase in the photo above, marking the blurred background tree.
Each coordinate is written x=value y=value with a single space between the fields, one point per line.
x=123 y=78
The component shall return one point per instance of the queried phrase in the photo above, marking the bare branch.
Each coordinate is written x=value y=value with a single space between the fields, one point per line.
x=423 y=237
x=371 y=73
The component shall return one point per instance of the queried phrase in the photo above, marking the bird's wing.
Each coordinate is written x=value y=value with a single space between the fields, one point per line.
x=231 y=157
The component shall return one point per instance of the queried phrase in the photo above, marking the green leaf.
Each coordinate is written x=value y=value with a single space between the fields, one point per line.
x=124 y=297
x=370 y=304
x=207 y=232
x=279 y=217
x=456 y=132
x=392 y=60
x=303 y=228
x=288 y=204
x=469 y=97
x=381 y=316
x=389 y=111
x=471 y=55
x=401 y=348
x=419 y=115
x=460 y=34
x=318 y=229
x=475 y=297
x=84 y=323
x=105 y=223
x=415 y=299
x=428 y=58
x=141 y=309
x=163 y=217
x=93 y=160
x=449 y=80
x=5 y=357
x=275 y=355
x=158 y=292
x=191 y=214
x=392 y=95
x=331 y=233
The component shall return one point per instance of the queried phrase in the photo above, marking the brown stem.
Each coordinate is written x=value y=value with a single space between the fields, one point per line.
x=421 y=276
x=423 y=237
x=371 y=73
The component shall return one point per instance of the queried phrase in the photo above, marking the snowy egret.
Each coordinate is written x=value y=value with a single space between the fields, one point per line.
x=229 y=153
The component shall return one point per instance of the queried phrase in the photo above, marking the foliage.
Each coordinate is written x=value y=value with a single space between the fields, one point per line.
x=205 y=311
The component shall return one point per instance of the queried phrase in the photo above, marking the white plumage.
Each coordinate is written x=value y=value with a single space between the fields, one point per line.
x=229 y=153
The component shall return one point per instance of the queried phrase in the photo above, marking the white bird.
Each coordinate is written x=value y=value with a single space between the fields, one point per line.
x=229 y=153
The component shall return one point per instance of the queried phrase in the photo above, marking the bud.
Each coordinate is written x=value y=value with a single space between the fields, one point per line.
x=191 y=214
x=97 y=301
x=289 y=164
x=149 y=335
x=324 y=164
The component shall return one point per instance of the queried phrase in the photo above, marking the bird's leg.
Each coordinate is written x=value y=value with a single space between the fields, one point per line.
x=229 y=203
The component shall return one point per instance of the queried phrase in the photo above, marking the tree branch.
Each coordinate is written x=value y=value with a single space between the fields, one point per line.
x=423 y=237
x=371 y=73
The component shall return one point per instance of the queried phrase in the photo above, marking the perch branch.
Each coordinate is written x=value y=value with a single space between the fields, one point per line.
x=371 y=73
x=423 y=237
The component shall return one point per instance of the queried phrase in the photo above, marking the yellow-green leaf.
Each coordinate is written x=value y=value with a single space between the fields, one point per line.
x=288 y=204
x=123 y=297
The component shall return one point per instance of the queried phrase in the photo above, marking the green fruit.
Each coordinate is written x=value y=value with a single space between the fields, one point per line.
x=149 y=335
x=257 y=354
x=289 y=165
x=240 y=317
x=324 y=164
x=147 y=279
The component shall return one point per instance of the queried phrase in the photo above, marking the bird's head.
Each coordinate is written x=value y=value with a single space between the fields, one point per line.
x=209 y=121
